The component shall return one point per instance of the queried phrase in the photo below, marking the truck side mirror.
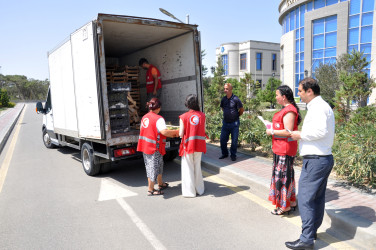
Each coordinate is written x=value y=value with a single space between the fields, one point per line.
x=39 y=108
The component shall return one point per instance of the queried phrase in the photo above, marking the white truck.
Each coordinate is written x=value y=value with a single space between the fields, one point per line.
x=85 y=110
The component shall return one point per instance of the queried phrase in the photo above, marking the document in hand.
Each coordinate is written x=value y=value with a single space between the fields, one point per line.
x=267 y=124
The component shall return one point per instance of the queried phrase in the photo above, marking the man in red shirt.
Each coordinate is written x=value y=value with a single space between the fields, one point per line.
x=153 y=79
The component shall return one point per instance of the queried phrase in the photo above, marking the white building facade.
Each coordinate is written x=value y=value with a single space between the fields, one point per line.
x=261 y=59
x=319 y=31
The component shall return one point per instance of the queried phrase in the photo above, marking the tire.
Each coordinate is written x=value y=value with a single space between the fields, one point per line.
x=47 y=139
x=166 y=157
x=87 y=158
x=173 y=154
x=170 y=155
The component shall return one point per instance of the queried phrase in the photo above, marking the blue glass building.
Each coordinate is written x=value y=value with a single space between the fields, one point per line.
x=318 y=31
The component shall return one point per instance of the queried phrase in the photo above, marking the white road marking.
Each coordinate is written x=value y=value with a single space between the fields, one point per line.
x=141 y=225
x=111 y=191
x=8 y=157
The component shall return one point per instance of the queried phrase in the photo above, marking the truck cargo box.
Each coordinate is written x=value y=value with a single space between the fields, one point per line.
x=83 y=91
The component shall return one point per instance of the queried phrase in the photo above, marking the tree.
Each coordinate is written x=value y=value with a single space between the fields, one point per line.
x=268 y=94
x=19 y=87
x=327 y=77
x=213 y=93
x=252 y=102
x=357 y=86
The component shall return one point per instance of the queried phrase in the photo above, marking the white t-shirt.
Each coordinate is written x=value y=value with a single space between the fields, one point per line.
x=161 y=125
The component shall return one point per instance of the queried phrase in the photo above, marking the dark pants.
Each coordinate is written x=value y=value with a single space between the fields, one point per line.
x=227 y=129
x=311 y=197
x=151 y=95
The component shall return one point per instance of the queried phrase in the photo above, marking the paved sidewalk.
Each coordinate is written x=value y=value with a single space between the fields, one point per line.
x=347 y=209
x=8 y=119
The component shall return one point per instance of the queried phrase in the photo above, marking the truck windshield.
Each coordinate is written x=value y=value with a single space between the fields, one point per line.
x=47 y=105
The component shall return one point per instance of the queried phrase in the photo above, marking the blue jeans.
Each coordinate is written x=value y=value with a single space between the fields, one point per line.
x=311 y=197
x=227 y=129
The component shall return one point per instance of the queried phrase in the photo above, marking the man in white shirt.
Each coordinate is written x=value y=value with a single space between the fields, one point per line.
x=316 y=140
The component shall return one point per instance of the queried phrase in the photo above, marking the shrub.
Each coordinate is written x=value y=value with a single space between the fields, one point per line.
x=353 y=148
x=4 y=98
x=11 y=105
x=214 y=125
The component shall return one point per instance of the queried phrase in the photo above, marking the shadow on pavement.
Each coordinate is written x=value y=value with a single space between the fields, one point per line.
x=346 y=231
x=331 y=195
x=132 y=173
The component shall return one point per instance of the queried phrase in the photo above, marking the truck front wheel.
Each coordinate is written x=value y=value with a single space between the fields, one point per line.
x=87 y=158
x=47 y=139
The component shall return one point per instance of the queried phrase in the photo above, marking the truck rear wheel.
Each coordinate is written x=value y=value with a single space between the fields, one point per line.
x=47 y=139
x=173 y=154
x=87 y=157
x=170 y=155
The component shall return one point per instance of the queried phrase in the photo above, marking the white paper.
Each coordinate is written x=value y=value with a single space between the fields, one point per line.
x=266 y=123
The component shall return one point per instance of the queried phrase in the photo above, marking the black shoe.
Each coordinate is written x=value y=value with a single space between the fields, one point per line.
x=315 y=236
x=233 y=158
x=223 y=156
x=298 y=244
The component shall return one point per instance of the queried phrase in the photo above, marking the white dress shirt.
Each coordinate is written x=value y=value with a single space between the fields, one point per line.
x=317 y=133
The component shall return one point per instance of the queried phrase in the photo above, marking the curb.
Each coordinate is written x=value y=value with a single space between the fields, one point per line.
x=10 y=129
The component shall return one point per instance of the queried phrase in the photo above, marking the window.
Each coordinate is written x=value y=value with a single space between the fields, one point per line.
x=292 y=20
x=366 y=35
x=225 y=64
x=354 y=7
x=353 y=36
x=274 y=62
x=330 y=2
x=354 y=21
x=243 y=61
x=258 y=61
x=367 y=19
x=360 y=27
x=319 y=4
x=368 y=5
x=324 y=41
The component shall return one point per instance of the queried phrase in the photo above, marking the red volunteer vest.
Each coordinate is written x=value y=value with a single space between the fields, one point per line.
x=194 y=133
x=150 y=140
x=150 y=80
x=284 y=145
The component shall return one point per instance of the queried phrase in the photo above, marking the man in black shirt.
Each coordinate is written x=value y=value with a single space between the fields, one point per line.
x=232 y=108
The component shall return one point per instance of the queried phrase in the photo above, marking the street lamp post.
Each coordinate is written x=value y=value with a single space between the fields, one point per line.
x=171 y=15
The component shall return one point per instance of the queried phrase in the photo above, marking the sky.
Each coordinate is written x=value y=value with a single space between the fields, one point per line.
x=31 y=28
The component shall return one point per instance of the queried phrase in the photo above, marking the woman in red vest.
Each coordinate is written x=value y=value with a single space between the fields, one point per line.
x=152 y=142
x=282 y=187
x=193 y=144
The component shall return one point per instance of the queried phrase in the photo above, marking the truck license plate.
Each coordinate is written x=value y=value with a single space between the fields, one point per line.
x=167 y=144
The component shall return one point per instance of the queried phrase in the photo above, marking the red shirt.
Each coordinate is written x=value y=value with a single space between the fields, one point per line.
x=150 y=80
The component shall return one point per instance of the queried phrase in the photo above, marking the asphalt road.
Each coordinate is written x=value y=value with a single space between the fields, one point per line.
x=48 y=202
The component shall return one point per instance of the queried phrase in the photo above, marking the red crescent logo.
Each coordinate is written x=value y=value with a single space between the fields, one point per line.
x=145 y=122
x=194 y=120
